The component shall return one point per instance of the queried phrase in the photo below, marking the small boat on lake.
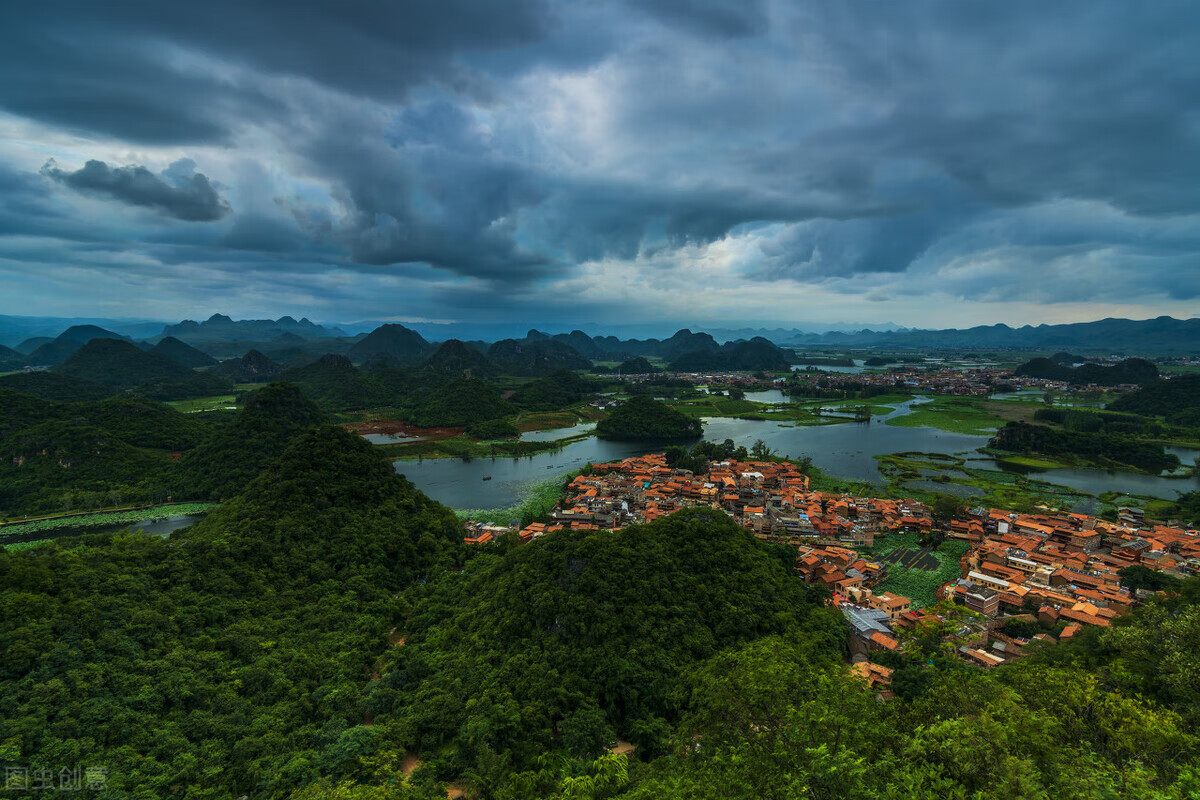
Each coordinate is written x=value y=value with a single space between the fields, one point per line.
x=487 y=477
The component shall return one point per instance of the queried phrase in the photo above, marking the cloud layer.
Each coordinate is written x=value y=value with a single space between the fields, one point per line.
x=930 y=163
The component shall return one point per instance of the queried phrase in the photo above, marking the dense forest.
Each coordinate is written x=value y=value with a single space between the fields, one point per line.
x=1131 y=370
x=1178 y=400
x=643 y=417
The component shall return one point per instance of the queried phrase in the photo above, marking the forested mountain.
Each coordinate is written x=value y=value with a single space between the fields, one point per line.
x=67 y=343
x=460 y=403
x=334 y=383
x=756 y=354
x=219 y=328
x=394 y=342
x=597 y=630
x=229 y=660
x=182 y=353
x=269 y=421
x=637 y=366
x=456 y=358
x=124 y=365
x=643 y=417
x=62 y=456
x=250 y=368
x=534 y=357
x=1165 y=335
x=557 y=390
x=10 y=359
x=1131 y=370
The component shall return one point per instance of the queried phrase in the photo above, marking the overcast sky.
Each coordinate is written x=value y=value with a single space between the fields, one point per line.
x=934 y=163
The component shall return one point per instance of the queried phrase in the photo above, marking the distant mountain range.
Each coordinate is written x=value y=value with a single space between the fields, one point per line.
x=220 y=328
x=1161 y=335
x=45 y=341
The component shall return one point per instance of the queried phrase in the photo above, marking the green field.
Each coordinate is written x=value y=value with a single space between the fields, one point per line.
x=216 y=403
x=953 y=414
x=918 y=585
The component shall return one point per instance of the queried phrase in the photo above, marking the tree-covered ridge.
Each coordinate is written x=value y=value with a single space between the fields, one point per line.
x=571 y=641
x=252 y=367
x=229 y=660
x=535 y=356
x=457 y=358
x=643 y=417
x=1178 y=400
x=182 y=353
x=1131 y=370
x=333 y=383
x=270 y=419
x=123 y=365
x=396 y=343
x=63 y=456
x=55 y=387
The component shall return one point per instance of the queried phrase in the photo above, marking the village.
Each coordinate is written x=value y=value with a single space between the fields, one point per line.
x=1023 y=578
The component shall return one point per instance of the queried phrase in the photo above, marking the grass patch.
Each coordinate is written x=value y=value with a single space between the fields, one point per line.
x=918 y=585
x=952 y=414
x=216 y=403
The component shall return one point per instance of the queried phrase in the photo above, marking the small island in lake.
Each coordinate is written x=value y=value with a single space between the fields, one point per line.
x=645 y=418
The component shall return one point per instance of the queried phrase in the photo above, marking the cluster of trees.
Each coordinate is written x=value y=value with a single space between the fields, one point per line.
x=1022 y=437
x=1089 y=421
x=847 y=390
x=643 y=417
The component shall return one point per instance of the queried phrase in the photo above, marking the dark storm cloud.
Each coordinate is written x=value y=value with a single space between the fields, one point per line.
x=179 y=192
x=504 y=143
x=714 y=17
x=137 y=69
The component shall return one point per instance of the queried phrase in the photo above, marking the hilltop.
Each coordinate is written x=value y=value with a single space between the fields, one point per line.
x=393 y=342
x=182 y=353
x=124 y=365
x=268 y=422
x=250 y=368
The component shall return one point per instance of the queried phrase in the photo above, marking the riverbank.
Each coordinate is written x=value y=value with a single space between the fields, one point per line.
x=538 y=501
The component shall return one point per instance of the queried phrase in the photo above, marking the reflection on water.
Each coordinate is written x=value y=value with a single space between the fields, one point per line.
x=389 y=438
x=155 y=527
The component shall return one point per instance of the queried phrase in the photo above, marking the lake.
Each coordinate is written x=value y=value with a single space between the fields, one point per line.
x=845 y=450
